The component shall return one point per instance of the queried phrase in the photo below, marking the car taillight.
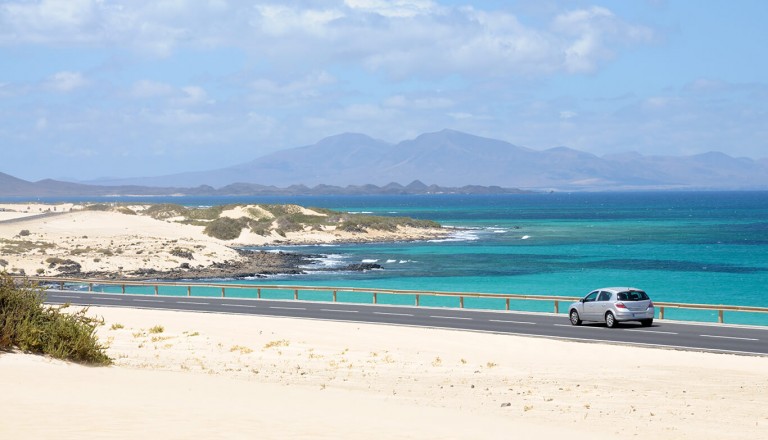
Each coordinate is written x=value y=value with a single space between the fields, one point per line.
x=620 y=305
x=650 y=304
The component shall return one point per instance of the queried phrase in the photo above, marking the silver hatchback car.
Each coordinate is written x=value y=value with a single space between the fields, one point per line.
x=613 y=305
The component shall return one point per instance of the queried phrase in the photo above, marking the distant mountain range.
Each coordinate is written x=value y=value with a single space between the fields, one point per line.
x=451 y=161
x=13 y=187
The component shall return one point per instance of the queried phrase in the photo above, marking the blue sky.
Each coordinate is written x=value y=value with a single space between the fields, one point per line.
x=92 y=88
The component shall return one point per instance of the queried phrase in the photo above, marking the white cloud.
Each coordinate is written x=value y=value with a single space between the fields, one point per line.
x=66 y=81
x=585 y=35
x=393 y=8
x=399 y=38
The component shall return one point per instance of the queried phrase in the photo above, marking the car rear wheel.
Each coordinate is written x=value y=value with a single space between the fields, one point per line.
x=575 y=320
x=610 y=320
x=646 y=322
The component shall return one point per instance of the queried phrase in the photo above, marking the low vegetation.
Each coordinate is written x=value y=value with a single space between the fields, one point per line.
x=226 y=228
x=283 y=219
x=31 y=326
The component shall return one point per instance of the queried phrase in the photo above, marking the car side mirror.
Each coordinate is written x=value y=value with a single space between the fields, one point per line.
x=581 y=300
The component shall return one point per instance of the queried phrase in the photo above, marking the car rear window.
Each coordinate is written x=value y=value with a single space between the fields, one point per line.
x=633 y=295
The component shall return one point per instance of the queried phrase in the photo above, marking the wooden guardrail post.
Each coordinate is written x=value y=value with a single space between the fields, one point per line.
x=334 y=296
x=157 y=289
x=123 y=286
x=720 y=316
x=375 y=300
x=507 y=304
x=461 y=302
x=258 y=293
x=223 y=292
x=417 y=299
x=557 y=306
x=90 y=287
x=295 y=294
x=661 y=312
x=189 y=290
x=61 y=285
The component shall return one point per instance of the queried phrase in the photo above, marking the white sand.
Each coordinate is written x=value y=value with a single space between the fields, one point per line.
x=230 y=376
x=115 y=242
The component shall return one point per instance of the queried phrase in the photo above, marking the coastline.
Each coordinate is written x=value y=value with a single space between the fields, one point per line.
x=133 y=241
x=206 y=375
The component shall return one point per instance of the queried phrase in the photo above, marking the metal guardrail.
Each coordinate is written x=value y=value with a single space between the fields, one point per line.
x=258 y=288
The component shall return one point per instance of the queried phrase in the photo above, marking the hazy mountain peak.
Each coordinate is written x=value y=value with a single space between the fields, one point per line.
x=451 y=158
x=347 y=139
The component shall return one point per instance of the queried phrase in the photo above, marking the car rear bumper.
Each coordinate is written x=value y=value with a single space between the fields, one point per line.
x=634 y=315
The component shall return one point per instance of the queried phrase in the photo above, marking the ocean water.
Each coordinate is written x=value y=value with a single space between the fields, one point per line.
x=689 y=247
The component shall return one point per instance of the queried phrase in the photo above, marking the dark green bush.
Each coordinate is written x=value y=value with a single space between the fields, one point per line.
x=182 y=253
x=211 y=213
x=226 y=228
x=28 y=324
x=166 y=210
x=362 y=223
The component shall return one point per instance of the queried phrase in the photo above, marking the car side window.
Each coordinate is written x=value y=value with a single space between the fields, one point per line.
x=591 y=297
x=604 y=296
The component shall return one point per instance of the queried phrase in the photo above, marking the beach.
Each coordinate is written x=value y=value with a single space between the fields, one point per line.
x=124 y=241
x=205 y=375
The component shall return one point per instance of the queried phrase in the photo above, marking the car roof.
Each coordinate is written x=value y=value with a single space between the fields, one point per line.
x=618 y=289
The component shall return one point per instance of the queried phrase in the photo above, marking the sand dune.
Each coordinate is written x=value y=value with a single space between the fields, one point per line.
x=229 y=376
x=124 y=242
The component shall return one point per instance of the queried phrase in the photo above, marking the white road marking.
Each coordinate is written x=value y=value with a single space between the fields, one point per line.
x=148 y=300
x=111 y=299
x=288 y=308
x=450 y=317
x=393 y=314
x=650 y=331
x=729 y=337
x=342 y=311
x=193 y=302
x=240 y=305
x=512 y=322
x=67 y=296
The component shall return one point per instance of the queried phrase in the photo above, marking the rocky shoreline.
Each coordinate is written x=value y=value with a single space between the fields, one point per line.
x=254 y=264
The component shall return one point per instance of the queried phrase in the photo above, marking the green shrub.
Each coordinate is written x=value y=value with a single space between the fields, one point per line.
x=126 y=210
x=362 y=223
x=211 y=213
x=226 y=228
x=98 y=207
x=28 y=324
x=262 y=226
x=182 y=253
x=166 y=210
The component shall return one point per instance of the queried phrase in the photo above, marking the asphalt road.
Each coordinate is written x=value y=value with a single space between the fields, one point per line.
x=669 y=334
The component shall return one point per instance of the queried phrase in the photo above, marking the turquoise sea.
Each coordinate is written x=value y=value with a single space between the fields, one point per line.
x=690 y=247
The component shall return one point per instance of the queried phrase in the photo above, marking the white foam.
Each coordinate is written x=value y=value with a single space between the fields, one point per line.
x=391 y=261
x=463 y=235
x=525 y=237
x=329 y=261
x=369 y=260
